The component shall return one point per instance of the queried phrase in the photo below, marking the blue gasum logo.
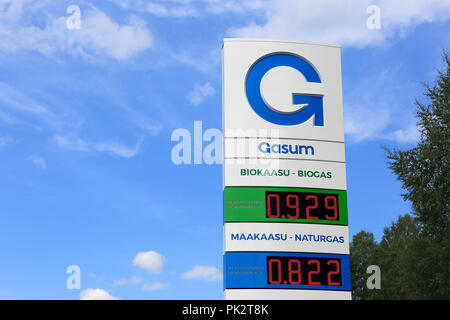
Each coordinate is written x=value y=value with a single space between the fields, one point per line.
x=266 y=147
x=314 y=103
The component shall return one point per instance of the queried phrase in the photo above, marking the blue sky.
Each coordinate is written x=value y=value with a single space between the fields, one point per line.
x=86 y=116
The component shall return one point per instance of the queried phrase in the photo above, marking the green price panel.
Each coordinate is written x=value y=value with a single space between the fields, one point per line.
x=292 y=205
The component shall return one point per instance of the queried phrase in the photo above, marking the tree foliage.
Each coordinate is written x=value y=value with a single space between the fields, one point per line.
x=414 y=253
x=363 y=254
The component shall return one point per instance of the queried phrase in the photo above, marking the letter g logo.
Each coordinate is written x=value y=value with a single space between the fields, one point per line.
x=252 y=88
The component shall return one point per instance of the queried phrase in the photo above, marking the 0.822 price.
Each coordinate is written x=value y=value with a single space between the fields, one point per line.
x=304 y=271
x=301 y=205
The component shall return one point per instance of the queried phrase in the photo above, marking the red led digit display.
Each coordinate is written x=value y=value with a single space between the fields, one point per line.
x=304 y=271
x=302 y=205
x=312 y=272
x=273 y=205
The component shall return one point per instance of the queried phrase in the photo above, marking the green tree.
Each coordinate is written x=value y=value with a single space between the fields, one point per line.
x=395 y=254
x=397 y=258
x=424 y=170
x=414 y=252
x=363 y=252
x=424 y=173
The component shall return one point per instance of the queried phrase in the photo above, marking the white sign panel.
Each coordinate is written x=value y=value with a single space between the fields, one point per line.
x=284 y=148
x=289 y=86
x=273 y=294
x=282 y=237
x=288 y=173
x=292 y=149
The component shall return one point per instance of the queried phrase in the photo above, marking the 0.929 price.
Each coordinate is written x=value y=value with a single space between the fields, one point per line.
x=302 y=205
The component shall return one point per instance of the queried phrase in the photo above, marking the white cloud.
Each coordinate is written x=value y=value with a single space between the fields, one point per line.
x=142 y=120
x=21 y=108
x=124 y=281
x=96 y=294
x=378 y=105
x=202 y=61
x=233 y=6
x=17 y=107
x=98 y=35
x=408 y=135
x=200 y=92
x=189 y=8
x=118 y=149
x=154 y=286
x=78 y=144
x=39 y=162
x=4 y=141
x=342 y=22
x=161 y=8
x=151 y=261
x=362 y=123
x=102 y=36
x=166 y=11
x=203 y=273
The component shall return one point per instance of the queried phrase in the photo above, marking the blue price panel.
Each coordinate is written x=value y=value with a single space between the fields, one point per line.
x=276 y=270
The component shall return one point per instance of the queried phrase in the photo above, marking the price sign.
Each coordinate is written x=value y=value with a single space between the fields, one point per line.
x=284 y=171
x=266 y=270
x=294 y=205
x=301 y=205
x=304 y=271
